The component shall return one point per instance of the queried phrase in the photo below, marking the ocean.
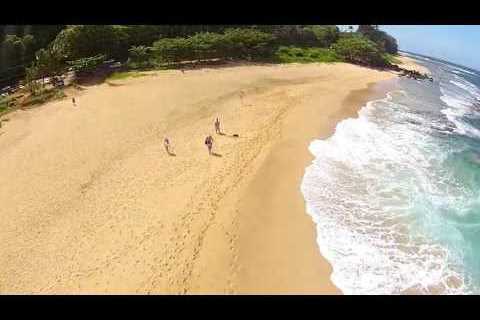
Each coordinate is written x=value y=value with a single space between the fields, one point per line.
x=395 y=193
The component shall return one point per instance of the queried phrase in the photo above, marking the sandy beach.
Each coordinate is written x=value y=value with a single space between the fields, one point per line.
x=92 y=203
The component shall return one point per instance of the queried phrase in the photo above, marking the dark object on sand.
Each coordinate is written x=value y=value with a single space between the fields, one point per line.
x=235 y=135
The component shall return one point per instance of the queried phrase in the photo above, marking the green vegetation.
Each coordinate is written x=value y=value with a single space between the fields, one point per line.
x=386 y=42
x=38 y=52
x=325 y=35
x=233 y=43
x=305 y=55
x=139 y=57
x=44 y=96
x=360 y=50
x=3 y=105
x=31 y=76
x=149 y=46
x=18 y=45
x=87 y=65
x=82 y=41
x=392 y=59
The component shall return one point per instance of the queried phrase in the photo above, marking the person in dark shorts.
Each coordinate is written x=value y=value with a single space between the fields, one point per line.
x=209 y=144
x=166 y=144
x=217 y=126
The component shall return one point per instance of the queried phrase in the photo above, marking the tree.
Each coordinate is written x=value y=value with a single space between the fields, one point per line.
x=359 y=50
x=43 y=34
x=247 y=43
x=14 y=48
x=206 y=45
x=390 y=44
x=139 y=35
x=139 y=56
x=82 y=41
x=385 y=41
x=325 y=35
x=18 y=44
x=31 y=76
x=366 y=29
x=87 y=65
x=172 y=49
x=292 y=35
x=48 y=63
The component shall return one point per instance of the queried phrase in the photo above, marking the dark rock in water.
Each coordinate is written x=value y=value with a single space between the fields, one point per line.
x=413 y=74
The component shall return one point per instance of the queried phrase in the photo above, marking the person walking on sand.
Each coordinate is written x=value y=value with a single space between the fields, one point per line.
x=209 y=143
x=217 y=126
x=166 y=144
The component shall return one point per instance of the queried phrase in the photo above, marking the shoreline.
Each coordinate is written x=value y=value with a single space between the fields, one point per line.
x=293 y=266
x=120 y=216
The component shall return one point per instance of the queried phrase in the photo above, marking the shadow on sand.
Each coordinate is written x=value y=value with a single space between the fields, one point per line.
x=216 y=154
x=114 y=84
x=228 y=135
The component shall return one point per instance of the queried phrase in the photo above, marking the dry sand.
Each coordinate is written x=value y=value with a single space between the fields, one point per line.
x=91 y=202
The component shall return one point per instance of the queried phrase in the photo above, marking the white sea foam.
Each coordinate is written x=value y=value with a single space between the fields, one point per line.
x=360 y=190
x=467 y=86
x=460 y=103
x=465 y=71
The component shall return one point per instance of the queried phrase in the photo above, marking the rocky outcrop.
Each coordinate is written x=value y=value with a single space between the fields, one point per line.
x=413 y=74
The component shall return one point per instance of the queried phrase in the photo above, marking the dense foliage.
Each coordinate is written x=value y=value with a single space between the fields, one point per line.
x=87 y=65
x=43 y=51
x=360 y=50
x=81 y=41
x=18 y=45
x=76 y=42
x=386 y=42
x=233 y=43
x=305 y=55
x=139 y=57
x=325 y=35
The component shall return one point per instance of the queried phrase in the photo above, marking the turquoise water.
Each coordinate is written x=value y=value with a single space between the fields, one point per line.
x=395 y=193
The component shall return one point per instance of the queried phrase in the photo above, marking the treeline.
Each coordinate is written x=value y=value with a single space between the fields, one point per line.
x=115 y=41
x=18 y=45
x=235 y=43
x=42 y=51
